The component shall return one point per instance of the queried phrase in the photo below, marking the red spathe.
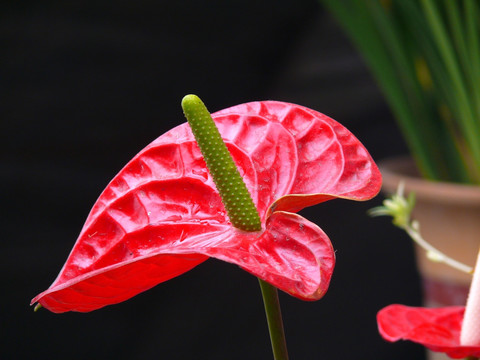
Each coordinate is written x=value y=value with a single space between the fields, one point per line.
x=161 y=215
x=435 y=328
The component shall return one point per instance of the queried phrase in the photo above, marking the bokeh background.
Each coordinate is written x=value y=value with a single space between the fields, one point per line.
x=85 y=85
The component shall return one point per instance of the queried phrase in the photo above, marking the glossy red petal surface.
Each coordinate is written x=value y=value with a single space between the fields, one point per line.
x=435 y=328
x=292 y=253
x=330 y=161
x=156 y=218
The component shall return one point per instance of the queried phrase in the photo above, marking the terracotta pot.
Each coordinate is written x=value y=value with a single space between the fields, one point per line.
x=449 y=216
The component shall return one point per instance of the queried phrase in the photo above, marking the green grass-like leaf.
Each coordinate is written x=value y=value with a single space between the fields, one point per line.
x=436 y=106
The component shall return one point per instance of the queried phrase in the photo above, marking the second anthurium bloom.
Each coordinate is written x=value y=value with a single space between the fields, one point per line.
x=453 y=330
x=162 y=215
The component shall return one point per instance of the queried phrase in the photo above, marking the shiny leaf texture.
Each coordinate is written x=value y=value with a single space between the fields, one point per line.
x=435 y=328
x=161 y=215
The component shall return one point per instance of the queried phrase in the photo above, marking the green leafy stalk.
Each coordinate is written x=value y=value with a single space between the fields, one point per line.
x=237 y=201
x=400 y=208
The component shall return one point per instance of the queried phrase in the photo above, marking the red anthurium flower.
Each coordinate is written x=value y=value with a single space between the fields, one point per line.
x=162 y=215
x=435 y=328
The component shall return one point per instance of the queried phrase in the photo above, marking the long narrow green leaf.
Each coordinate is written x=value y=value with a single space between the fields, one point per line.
x=394 y=37
x=359 y=25
x=368 y=40
x=472 y=22
x=466 y=117
x=440 y=91
x=404 y=63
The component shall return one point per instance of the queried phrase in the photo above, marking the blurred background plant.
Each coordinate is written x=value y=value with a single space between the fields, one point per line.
x=425 y=56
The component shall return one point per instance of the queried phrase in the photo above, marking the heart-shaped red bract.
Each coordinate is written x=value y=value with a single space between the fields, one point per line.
x=435 y=328
x=162 y=215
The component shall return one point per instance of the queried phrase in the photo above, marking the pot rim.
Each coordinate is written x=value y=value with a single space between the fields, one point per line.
x=403 y=168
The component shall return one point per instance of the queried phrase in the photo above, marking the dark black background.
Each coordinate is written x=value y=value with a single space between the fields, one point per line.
x=85 y=86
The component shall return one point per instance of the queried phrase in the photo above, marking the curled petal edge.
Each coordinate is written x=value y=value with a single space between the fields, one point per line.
x=293 y=254
x=296 y=202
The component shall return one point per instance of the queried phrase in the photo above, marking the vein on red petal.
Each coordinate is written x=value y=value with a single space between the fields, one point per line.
x=116 y=283
x=359 y=168
x=271 y=149
x=162 y=162
x=167 y=162
x=321 y=161
x=275 y=161
x=184 y=206
x=331 y=162
x=292 y=253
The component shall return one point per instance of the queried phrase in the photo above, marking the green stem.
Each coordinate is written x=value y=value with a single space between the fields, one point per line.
x=274 y=319
x=432 y=253
x=237 y=201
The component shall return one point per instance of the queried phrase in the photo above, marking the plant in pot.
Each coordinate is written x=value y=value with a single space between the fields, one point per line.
x=425 y=57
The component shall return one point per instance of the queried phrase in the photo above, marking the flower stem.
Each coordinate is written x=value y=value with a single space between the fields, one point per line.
x=433 y=253
x=237 y=201
x=274 y=319
x=400 y=208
